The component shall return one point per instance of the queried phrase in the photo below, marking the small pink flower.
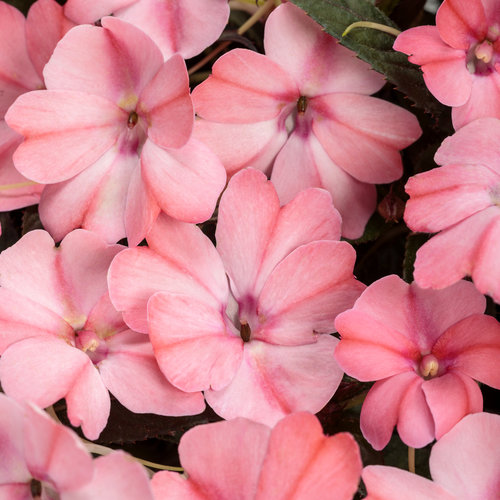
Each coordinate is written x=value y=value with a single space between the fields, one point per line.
x=424 y=348
x=112 y=137
x=60 y=336
x=304 y=110
x=246 y=460
x=259 y=347
x=460 y=201
x=464 y=464
x=460 y=57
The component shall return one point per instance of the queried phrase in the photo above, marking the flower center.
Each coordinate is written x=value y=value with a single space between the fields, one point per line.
x=482 y=56
x=245 y=332
x=429 y=366
x=95 y=348
x=133 y=118
x=302 y=104
x=35 y=488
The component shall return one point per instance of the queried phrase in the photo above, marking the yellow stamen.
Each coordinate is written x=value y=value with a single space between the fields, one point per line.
x=6 y=187
x=370 y=25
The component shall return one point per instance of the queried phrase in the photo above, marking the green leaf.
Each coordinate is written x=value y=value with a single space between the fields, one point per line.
x=413 y=242
x=371 y=45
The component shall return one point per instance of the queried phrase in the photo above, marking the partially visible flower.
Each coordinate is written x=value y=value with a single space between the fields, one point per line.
x=60 y=337
x=44 y=459
x=304 y=110
x=259 y=347
x=461 y=202
x=112 y=137
x=464 y=464
x=186 y=27
x=246 y=460
x=460 y=57
x=424 y=348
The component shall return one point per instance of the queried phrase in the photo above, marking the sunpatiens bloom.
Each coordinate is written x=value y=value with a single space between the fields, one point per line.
x=112 y=137
x=464 y=464
x=183 y=26
x=246 y=460
x=44 y=459
x=258 y=347
x=424 y=348
x=461 y=201
x=460 y=57
x=60 y=337
x=305 y=106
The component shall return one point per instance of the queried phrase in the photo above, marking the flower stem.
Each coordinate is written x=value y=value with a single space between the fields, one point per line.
x=6 y=187
x=411 y=459
x=374 y=26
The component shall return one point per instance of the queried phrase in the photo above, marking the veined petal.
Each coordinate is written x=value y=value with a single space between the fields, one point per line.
x=62 y=136
x=88 y=11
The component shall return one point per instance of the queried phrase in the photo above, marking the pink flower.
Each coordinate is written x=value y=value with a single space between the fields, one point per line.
x=464 y=464
x=257 y=348
x=303 y=108
x=460 y=200
x=246 y=460
x=43 y=459
x=460 y=57
x=112 y=137
x=60 y=336
x=183 y=26
x=424 y=348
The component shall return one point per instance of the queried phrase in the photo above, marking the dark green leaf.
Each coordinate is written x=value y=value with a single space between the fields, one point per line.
x=413 y=242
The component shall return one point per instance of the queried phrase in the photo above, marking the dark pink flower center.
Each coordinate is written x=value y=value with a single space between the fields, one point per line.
x=482 y=56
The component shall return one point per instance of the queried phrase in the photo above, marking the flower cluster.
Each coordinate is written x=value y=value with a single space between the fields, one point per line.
x=186 y=254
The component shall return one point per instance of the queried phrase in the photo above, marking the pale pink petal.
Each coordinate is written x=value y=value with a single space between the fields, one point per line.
x=374 y=128
x=484 y=100
x=370 y=349
x=194 y=347
x=474 y=144
x=238 y=446
x=244 y=87
x=301 y=462
x=415 y=425
x=49 y=447
x=166 y=105
x=257 y=143
x=444 y=196
x=451 y=397
x=46 y=24
x=88 y=11
x=380 y=410
x=274 y=381
x=391 y=483
x=94 y=199
x=248 y=212
x=88 y=402
x=116 y=477
x=172 y=485
x=17 y=74
x=186 y=26
x=131 y=373
x=303 y=163
x=186 y=182
x=315 y=60
x=444 y=67
x=461 y=23
x=453 y=253
x=466 y=460
x=115 y=62
x=62 y=137
x=15 y=491
x=306 y=291
x=472 y=347
x=41 y=370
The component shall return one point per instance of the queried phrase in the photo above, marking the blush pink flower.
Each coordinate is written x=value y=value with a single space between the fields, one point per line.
x=246 y=460
x=304 y=109
x=259 y=347
x=460 y=57
x=112 y=137
x=44 y=459
x=60 y=337
x=424 y=348
x=460 y=201
x=464 y=464
x=186 y=27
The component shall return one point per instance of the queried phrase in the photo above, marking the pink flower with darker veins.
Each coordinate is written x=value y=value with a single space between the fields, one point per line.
x=424 y=348
x=112 y=137
x=460 y=57
x=248 y=322
x=60 y=337
x=304 y=110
